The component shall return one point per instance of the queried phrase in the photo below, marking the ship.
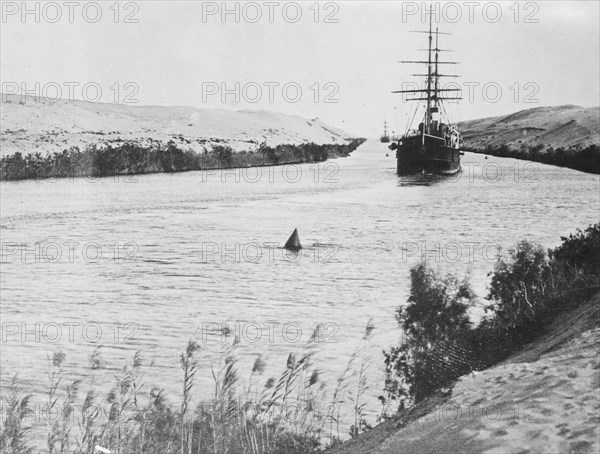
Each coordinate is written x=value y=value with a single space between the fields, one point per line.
x=435 y=146
x=385 y=138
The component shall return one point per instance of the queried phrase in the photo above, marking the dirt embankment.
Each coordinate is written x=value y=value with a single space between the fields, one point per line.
x=544 y=399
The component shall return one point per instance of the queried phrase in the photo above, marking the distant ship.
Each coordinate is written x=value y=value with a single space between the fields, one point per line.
x=385 y=138
x=435 y=146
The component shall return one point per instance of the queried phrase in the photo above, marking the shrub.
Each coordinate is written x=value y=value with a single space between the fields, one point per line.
x=528 y=288
x=223 y=154
x=129 y=157
x=575 y=157
x=436 y=324
x=518 y=285
x=580 y=250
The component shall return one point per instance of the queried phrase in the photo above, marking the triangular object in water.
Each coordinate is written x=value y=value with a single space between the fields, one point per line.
x=294 y=242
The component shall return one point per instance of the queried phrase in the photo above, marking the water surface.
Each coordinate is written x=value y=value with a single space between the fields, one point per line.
x=195 y=251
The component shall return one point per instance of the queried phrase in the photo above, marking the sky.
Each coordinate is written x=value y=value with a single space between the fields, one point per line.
x=337 y=61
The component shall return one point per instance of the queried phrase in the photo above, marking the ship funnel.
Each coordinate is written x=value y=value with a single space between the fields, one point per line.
x=293 y=243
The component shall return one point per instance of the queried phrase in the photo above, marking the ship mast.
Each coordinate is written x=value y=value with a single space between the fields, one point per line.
x=428 y=110
x=437 y=79
x=432 y=90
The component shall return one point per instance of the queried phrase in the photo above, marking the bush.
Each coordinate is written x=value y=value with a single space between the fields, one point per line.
x=528 y=289
x=580 y=250
x=575 y=157
x=224 y=155
x=518 y=286
x=131 y=158
x=435 y=323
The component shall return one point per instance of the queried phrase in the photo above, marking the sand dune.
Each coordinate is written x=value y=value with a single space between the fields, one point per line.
x=560 y=126
x=30 y=125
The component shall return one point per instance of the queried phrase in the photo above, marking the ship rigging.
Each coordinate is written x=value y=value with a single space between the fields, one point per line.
x=435 y=146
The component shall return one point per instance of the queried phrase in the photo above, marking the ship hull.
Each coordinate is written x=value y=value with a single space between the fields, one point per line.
x=432 y=157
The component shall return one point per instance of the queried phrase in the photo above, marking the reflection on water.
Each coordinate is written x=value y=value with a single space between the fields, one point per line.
x=148 y=262
x=425 y=179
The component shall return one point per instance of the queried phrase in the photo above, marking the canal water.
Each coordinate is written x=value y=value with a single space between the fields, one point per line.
x=148 y=262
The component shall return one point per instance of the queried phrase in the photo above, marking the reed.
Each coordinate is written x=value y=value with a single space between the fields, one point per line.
x=88 y=418
x=189 y=365
x=59 y=428
x=14 y=433
x=356 y=396
x=282 y=414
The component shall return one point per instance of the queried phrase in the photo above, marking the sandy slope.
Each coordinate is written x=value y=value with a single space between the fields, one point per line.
x=545 y=399
x=560 y=126
x=31 y=125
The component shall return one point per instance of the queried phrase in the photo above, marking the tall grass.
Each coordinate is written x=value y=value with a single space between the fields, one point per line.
x=360 y=386
x=284 y=414
x=15 y=427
